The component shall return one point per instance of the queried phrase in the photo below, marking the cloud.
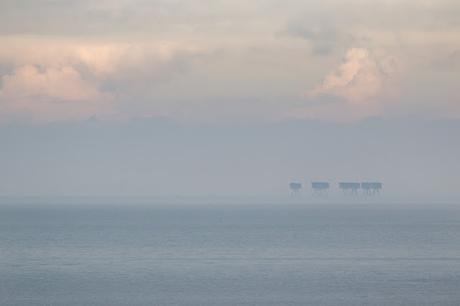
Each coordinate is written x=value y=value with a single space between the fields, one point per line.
x=55 y=80
x=358 y=79
x=451 y=61
x=323 y=39
x=152 y=57
x=51 y=94
x=354 y=89
x=64 y=84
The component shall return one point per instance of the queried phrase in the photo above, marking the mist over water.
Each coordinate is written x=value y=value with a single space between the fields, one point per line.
x=153 y=212
x=144 y=158
x=230 y=152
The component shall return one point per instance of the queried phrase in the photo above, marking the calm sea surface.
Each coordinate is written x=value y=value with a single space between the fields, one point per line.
x=345 y=254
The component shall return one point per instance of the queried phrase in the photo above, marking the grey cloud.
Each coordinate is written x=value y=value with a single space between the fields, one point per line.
x=122 y=17
x=142 y=77
x=78 y=17
x=118 y=17
x=449 y=62
x=324 y=39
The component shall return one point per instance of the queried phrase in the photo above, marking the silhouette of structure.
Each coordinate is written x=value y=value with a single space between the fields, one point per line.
x=371 y=188
x=295 y=188
x=320 y=187
x=350 y=187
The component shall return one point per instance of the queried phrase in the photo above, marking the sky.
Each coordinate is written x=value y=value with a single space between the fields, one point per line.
x=219 y=60
x=158 y=157
x=114 y=96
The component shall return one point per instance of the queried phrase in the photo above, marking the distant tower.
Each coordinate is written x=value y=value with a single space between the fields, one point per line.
x=371 y=188
x=320 y=188
x=295 y=188
x=350 y=187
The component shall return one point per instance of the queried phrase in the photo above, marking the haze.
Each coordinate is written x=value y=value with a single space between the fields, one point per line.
x=180 y=97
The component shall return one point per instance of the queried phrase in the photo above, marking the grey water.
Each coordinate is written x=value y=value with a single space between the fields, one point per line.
x=342 y=254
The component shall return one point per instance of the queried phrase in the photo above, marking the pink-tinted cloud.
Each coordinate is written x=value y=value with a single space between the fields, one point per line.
x=73 y=80
x=359 y=78
x=357 y=86
x=50 y=94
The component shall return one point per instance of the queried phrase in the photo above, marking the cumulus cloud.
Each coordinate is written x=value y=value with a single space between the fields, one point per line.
x=68 y=80
x=358 y=79
x=63 y=84
x=147 y=56
x=355 y=87
x=50 y=94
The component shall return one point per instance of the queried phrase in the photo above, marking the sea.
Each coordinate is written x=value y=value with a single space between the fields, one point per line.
x=238 y=254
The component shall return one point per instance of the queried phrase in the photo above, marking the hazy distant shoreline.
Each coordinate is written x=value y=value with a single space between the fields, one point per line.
x=227 y=200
